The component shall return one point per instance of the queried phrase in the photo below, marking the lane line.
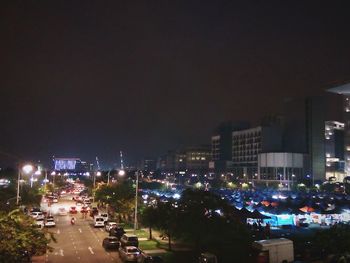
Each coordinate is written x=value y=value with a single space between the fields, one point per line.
x=61 y=252
x=58 y=231
x=90 y=248
x=80 y=230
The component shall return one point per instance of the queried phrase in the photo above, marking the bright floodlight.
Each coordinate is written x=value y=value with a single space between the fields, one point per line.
x=121 y=173
x=28 y=168
x=98 y=173
x=53 y=173
x=37 y=172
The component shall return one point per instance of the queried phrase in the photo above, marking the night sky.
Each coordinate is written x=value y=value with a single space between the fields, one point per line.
x=91 y=78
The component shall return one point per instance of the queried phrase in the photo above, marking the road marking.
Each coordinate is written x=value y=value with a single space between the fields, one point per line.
x=90 y=248
x=80 y=230
x=61 y=252
x=101 y=229
x=58 y=232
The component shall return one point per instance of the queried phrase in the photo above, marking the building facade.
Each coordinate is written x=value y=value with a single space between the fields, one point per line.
x=334 y=150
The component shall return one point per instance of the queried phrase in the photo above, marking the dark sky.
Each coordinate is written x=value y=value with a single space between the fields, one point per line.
x=87 y=78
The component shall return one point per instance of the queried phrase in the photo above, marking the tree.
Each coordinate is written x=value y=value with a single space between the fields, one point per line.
x=20 y=238
x=335 y=240
x=149 y=218
x=204 y=220
x=120 y=197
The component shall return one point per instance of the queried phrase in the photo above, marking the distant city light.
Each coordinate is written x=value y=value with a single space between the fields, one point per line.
x=28 y=168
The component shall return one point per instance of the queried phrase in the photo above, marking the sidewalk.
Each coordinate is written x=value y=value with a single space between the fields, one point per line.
x=39 y=259
x=175 y=245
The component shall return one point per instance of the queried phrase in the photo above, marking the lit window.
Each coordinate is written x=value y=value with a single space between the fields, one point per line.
x=202 y=158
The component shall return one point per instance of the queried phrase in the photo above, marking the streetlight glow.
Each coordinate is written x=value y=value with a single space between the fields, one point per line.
x=27 y=169
x=121 y=173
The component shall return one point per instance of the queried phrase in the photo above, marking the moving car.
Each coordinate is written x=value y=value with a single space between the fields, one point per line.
x=99 y=221
x=50 y=222
x=110 y=225
x=62 y=211
x=73 y=210
x=110 y=243
x=129 y=240
x=129 y=253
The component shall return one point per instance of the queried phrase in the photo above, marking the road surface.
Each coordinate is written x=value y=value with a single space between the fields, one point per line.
x=77 y=243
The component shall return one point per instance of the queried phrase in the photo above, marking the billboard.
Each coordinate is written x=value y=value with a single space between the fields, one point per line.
x=66 y=164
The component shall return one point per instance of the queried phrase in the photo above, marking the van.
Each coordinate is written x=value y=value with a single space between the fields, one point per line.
x=99 y=221
x=274 y=250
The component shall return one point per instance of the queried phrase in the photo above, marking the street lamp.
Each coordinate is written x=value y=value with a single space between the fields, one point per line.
x=95 y=174
x=27 y=169
x=136 y=193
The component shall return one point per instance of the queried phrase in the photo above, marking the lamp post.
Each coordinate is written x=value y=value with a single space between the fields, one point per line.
x=27 y=169
x=94 y=190
x=136 y=193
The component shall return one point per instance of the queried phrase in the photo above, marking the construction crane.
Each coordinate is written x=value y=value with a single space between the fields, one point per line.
x=98 y=164
x=121 y=161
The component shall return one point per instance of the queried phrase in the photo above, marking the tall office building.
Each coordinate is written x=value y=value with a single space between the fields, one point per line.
x=334 y=150
x=344 y=90
x=248 y=144
x=221 y=145
x=315 y=130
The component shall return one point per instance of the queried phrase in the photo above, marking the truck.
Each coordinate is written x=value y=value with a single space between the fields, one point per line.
x=277 y=250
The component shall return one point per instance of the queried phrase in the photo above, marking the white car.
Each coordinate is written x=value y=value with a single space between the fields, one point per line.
x=50 y=222
x=62 y=211
x=104 y=216
x=110 y=225
x=98 y=221
x=37 y=215
x=129 y=253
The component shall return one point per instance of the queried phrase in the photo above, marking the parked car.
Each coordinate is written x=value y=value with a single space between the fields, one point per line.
x=50 y=222
x=129 y=240
x=129 y=253
x=39 y=222
x=110 y=225
x=105 y=216
x=99 y=221
x=110 y=243
x=117 y=232
x=37 y=215
x=93 y=211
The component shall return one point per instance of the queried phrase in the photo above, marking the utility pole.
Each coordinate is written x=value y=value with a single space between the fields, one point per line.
x=136 y=195
x=18 y=182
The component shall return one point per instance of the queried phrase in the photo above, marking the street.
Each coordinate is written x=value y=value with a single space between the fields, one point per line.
x=77 y=243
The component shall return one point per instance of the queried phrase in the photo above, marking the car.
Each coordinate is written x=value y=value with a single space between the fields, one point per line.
x=110 y=225
x=129 y=253
x=50 y=222
x=73 y=210
x=104 y=216
x=84 y=209
x=93 y=211
x=37 y=215
x=40 y=222
x=98 y=221
x=117 y=232
x=62 y=211
x=129 y=240
x=111 y=243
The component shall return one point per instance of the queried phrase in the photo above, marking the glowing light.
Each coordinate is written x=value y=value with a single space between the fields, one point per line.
x=121 y=173
x=28 y=168
x=176 y=196
x=98 y=173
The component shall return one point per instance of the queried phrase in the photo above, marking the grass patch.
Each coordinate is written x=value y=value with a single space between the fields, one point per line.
x=148 y=245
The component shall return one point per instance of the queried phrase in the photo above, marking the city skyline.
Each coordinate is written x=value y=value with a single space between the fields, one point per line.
x=93 y=79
